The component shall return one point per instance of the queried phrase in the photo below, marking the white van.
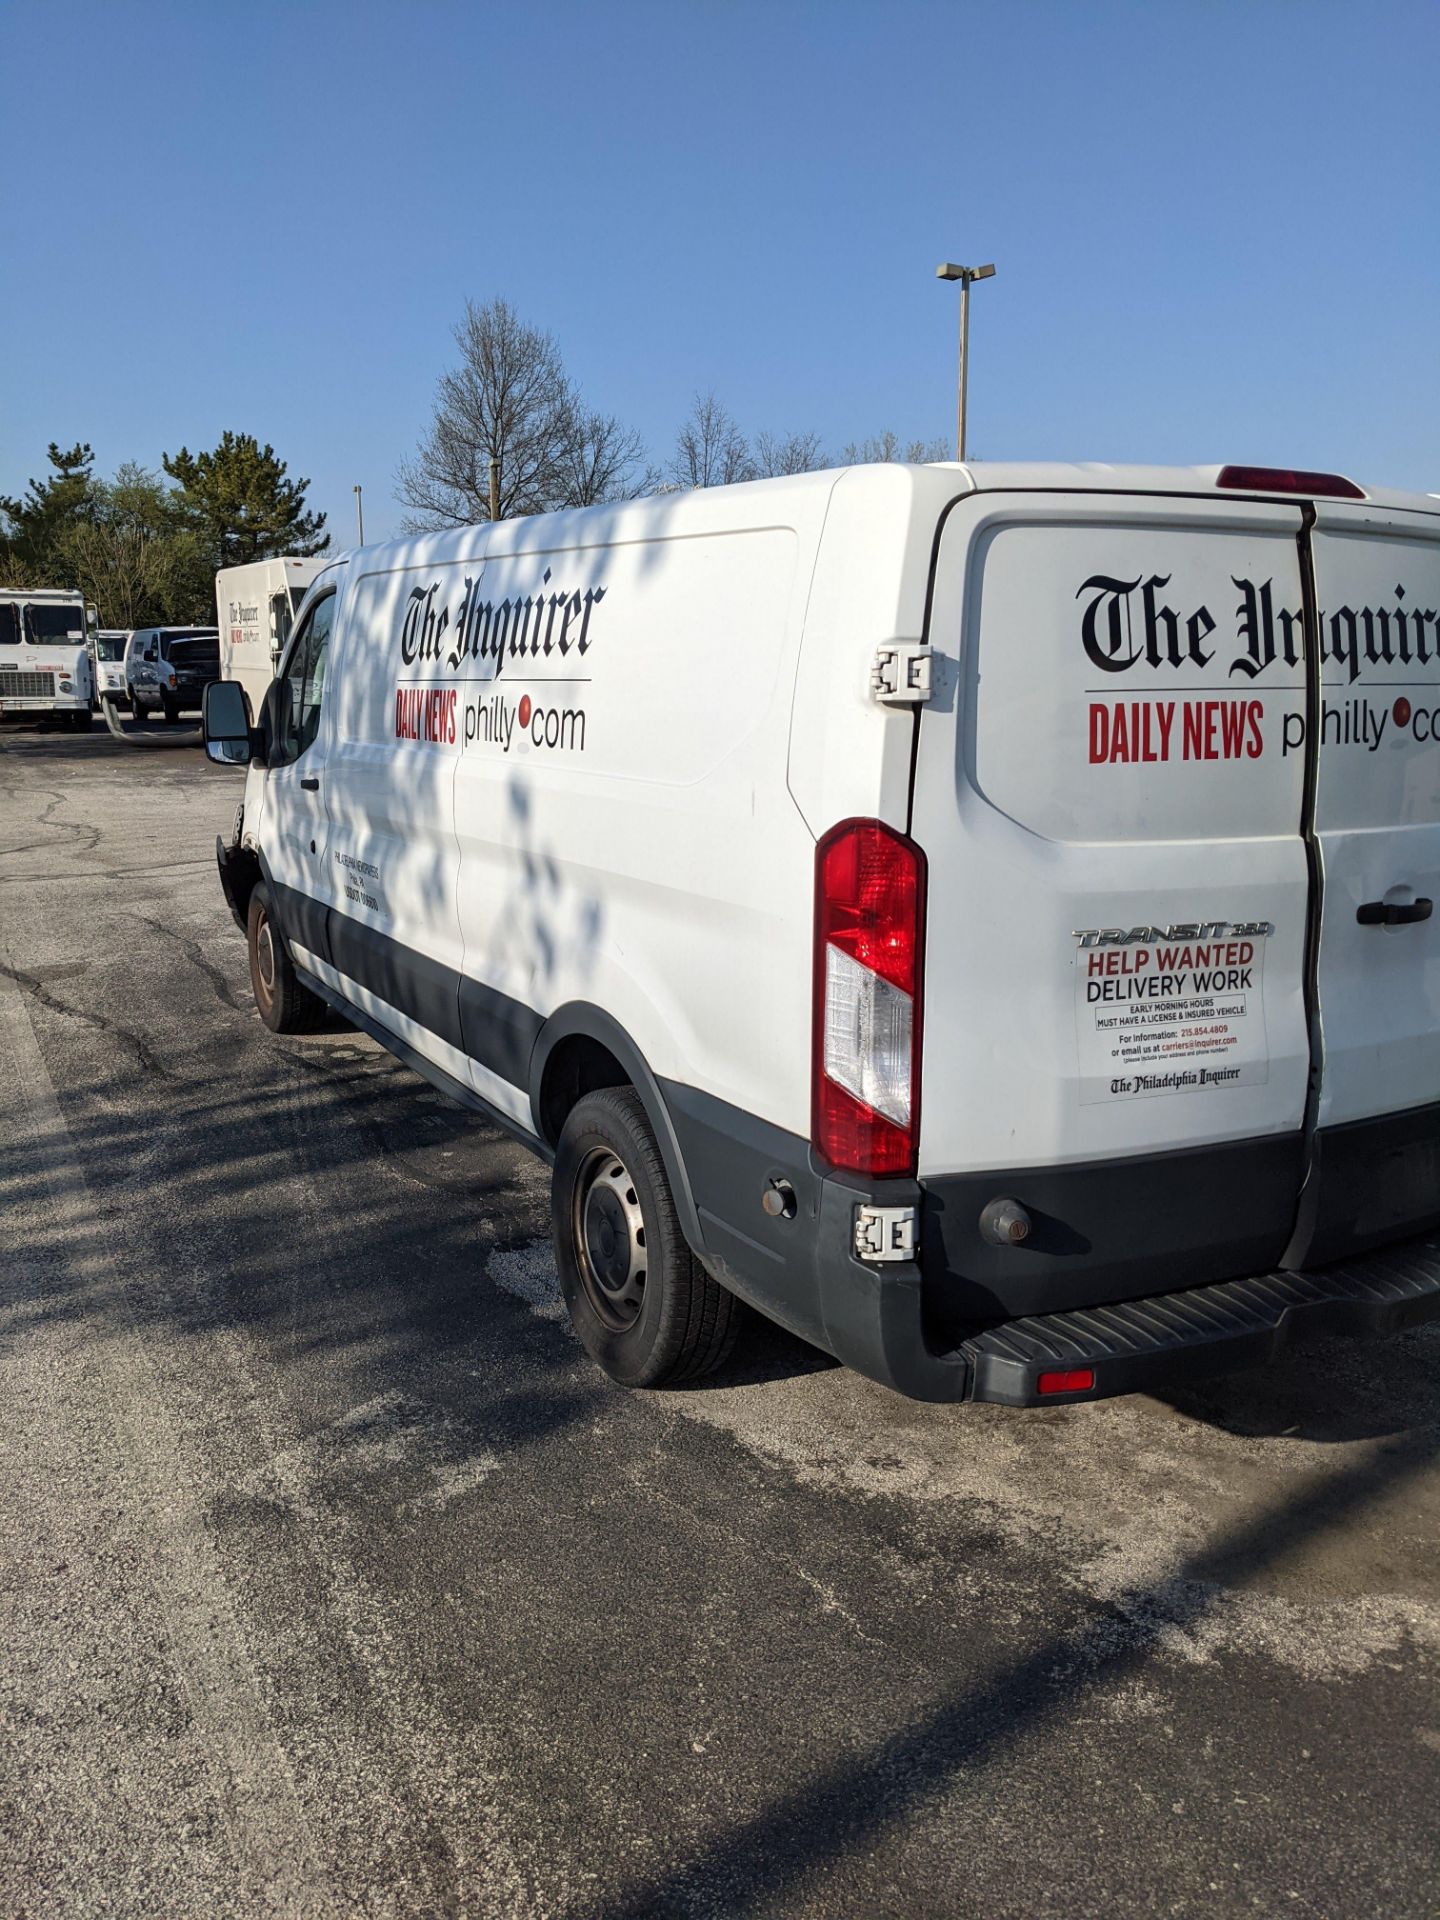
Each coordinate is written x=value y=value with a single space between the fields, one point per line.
x=45 y=663
x=256 y=606
x=167 y=669
x=982 y=917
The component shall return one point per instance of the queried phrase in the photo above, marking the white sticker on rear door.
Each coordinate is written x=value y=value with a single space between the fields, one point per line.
x=1177 y=1009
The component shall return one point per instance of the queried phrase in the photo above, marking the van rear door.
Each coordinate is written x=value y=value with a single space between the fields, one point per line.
x=1115 y=1023
x=1375 y=1171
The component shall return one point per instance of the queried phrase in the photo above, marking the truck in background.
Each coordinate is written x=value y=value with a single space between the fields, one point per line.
x=110 y=644
x=45 y=664
x=256 y=606
x=169 y=668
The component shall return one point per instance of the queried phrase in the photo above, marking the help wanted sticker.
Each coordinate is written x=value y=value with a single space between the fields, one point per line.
x=1170 y=1009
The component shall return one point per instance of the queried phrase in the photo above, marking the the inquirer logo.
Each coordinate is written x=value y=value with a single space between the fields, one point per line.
x=538 y=625
x=1126 y=623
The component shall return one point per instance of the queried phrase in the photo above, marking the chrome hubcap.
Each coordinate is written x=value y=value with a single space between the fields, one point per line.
x=609 y=1231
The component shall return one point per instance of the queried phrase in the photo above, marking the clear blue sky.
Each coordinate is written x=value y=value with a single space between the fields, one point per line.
x=1217 y=225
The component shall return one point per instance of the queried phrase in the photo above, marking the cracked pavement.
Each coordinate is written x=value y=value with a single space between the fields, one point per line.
x=334 y=1580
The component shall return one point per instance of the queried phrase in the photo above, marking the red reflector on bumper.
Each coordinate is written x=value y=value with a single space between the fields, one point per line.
x=1075 y=1380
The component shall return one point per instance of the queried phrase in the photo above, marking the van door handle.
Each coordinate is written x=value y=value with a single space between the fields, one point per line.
x=1380 y=913
x=311 y=786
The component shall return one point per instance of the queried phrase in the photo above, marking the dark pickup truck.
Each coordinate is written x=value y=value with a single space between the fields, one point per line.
x=187 y=664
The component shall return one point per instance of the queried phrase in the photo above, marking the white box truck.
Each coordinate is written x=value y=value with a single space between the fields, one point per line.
x=45 y=663
x=981 y=916
x=255 y=608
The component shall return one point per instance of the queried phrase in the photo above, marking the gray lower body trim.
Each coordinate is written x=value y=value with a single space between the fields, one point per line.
x=445 y=1083
x=492 y=1028
x=802 y=1271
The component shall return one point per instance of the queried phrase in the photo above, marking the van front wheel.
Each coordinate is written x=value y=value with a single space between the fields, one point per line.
x=643 y=1306
x=285 y=1003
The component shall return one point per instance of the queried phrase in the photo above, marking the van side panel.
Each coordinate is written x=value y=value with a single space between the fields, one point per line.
x=392 y=859
x=849 y=757
x=626 y=839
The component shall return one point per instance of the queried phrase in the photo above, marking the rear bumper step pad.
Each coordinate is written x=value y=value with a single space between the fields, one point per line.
x=1137 y=1345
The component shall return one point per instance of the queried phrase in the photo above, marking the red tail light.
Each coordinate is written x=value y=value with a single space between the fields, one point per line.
x=869 y=958
x=1331 y=486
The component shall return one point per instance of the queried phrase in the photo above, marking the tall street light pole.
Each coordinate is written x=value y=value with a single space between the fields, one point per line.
x=948 y=271
x=360 y=516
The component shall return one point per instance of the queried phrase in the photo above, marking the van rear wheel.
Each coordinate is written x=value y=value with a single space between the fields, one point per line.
x=285 y=1003
x=641 y=1303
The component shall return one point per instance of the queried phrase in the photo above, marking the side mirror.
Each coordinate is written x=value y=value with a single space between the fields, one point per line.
x=225 y=723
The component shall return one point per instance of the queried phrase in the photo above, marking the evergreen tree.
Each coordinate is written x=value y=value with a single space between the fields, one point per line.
x=47 y=510
x=240 y=501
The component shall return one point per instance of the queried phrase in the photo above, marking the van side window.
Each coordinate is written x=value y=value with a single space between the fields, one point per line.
x=301 y=687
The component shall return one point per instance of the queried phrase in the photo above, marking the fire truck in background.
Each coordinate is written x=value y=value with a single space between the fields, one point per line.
x=256 y=606
x=45 y=662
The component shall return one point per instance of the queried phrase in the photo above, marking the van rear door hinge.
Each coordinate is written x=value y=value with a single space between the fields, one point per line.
x=901 y=675
x=886 y=1233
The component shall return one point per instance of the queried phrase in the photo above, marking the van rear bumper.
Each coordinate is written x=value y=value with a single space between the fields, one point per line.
x=873 y=1322
x=800 y=1267
x=1138 y=1345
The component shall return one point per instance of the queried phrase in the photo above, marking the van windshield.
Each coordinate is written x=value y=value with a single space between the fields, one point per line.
x=49 y=624
x=110 y=646
x=9 y=624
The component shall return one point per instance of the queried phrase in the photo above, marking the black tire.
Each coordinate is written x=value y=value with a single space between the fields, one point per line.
x=284 y=1002
x=80 y=722
x=172 y=711
x=647 y=1325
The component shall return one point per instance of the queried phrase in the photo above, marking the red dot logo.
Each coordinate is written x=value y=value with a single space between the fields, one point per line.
x=524 y=710
x=1402 y=712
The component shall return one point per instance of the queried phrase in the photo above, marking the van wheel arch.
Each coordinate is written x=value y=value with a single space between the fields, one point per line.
x=582 y=1049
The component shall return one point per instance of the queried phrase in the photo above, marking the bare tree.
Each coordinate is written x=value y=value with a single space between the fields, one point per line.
x=887 y=446
x=603 y=461
x=794 y=453
x=710 y=450
x=510 y=399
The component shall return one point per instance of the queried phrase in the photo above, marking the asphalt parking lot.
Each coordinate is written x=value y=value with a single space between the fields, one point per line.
x=334 y=1580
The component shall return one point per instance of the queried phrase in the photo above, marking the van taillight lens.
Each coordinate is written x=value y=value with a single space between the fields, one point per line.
x=1330 y=486
x=869 y=960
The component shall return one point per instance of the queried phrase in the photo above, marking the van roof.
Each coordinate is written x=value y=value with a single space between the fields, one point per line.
x=1101 y=477
x=701 y=508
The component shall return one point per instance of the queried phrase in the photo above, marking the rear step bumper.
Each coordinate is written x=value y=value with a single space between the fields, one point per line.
x=1136 y=1346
